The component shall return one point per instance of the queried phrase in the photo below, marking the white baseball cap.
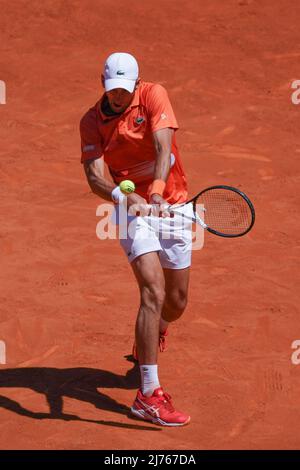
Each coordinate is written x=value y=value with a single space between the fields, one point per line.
x=121 y=70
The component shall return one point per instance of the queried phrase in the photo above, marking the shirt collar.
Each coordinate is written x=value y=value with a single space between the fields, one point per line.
x=136 y=99
x=103 y=116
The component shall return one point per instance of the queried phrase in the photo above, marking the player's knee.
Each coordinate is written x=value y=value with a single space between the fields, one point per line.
x=153 y=296
x=176 y=302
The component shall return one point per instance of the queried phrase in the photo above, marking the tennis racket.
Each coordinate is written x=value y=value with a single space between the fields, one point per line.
x=222 y=210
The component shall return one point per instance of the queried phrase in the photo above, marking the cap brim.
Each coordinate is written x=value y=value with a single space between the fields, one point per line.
x=112 y=83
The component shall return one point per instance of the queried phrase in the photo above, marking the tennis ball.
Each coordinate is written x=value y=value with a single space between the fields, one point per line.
x=127 y=186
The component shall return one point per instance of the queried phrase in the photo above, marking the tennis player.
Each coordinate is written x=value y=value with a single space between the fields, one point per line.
x=133 y=127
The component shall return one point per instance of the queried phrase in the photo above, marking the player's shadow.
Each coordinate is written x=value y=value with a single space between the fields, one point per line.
x=79 y=383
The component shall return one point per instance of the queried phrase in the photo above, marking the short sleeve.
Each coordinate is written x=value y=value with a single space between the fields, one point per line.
x=91 y=145
x=160 y=109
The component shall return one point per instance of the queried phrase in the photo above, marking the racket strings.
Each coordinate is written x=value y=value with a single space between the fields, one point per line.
x=224 y=211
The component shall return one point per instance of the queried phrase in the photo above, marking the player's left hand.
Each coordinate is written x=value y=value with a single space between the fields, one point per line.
x=160 y=207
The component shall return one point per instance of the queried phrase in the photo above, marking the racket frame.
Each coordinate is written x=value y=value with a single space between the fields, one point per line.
x=201 y=222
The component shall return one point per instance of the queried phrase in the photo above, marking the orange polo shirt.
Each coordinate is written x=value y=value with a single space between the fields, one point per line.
x=126 y=141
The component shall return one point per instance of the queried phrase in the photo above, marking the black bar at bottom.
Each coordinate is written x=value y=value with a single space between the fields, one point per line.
x=151 y=458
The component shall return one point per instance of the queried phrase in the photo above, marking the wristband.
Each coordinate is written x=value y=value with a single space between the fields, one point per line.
x=157 y=187
x=117 y=195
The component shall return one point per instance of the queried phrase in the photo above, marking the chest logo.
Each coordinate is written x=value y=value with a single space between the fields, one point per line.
x=139 y=120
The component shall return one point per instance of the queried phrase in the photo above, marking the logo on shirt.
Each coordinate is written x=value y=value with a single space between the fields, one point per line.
x=163 y=116
x=139 y=120
x=86 y=148
x=120 y=72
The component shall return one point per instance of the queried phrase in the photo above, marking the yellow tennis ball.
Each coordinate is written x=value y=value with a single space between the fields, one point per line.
x=127 y=186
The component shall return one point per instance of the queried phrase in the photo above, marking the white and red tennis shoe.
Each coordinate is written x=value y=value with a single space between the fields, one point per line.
x=158 y=409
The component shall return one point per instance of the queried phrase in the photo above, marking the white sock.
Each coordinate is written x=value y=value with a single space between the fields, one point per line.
x=149 y=379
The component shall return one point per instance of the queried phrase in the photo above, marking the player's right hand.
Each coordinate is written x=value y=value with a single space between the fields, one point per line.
x=137 y=205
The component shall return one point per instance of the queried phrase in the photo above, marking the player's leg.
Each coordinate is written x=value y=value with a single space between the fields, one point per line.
x=150 y=278
x=176 y=288
x=142 y=247
x=151 y=403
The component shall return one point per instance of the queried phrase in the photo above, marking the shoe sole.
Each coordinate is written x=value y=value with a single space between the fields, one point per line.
x=141 y=414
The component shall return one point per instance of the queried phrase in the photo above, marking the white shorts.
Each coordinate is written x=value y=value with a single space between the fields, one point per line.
x=170 y=237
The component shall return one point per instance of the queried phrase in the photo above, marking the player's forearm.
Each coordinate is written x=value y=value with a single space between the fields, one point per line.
x=162 y=165
x=163 y=144
x=98 y=184
x=101 y=187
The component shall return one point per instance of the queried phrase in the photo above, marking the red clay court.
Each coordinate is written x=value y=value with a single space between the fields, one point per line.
x=69 y=301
